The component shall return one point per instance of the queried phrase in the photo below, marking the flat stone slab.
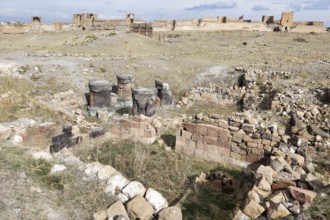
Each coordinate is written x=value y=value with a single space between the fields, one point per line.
x=99 y=85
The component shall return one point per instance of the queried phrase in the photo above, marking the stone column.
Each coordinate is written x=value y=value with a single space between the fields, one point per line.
x=144 y=101
x=100 y=93
x=164 y=93
x=125 y=84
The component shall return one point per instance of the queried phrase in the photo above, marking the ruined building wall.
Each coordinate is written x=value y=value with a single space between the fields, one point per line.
x=221 y=144
x=287 y=20
x=139 y=131
x=267 y=19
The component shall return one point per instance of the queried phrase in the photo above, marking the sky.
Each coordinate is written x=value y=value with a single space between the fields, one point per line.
x=62 y=10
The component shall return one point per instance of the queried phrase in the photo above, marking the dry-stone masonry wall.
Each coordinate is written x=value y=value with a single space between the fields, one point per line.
x=27 y=132
x=134 y=200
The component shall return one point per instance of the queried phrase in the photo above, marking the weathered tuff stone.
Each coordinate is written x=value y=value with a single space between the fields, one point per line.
x=100 y=215
x=312 y=181
x=164 y=93
x=144 y=101
x=139 y=208
x=106 y=172
x=248 y=128
x=253 y=209
x=93 y=168
x=264 y=185
x=277 y=197
x=63 y=140
x=134 y=188
x=125 y=84
x=117 y=209
x=170 y=213
x=96 y=132
x=297 y=125
x=115 y=184
x=156 y=200
x=266 y=172
x=241 y=216
x=318 y=131
x=296 y=159
x=276 y=211
x=100 y=94
x=302 y=195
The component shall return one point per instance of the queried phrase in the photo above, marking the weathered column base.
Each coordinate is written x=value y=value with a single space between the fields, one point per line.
x=144 y=101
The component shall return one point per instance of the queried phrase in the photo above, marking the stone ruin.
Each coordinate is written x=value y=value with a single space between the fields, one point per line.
x=125 y=84
x=100 y=97
x=164 y=93
x=66 y=139
x=144 y=101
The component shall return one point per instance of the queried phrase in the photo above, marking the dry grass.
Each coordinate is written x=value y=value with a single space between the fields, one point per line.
x=62 y=196
x=169 y=173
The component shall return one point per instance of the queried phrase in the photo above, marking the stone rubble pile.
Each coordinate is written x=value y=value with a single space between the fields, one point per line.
x=134 y=201
x=286 y=186
x=67 y=99
x=141 y=129
x=246 y=90
x=27 y=131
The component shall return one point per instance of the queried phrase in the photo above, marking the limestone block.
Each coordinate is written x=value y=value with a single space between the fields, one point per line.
x=156 y=200
x=116 y=209
x=134 y=188
x=106 y=172
x=170 y=213
x=139 y=208
x=93 y=168
x=266 y=172
x=302 y=195
x=115 y=184
x=241 y=216
x=277 y=211
x=253 y=209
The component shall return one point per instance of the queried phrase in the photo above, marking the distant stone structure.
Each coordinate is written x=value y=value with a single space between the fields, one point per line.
x=164 y=93
x=125 y=84
x=287 y=20
x=144 y=29
x=36 y=23
x=268 y=19
x=144 y=101
x=84 y=21
x=58 y=26
x=100 y=96
x=90 y=21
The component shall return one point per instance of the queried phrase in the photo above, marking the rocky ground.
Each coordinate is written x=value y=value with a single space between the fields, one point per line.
x=285 y=73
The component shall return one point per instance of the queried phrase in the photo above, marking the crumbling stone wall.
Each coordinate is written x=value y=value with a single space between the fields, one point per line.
x=27 y=131
x=142 y=131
